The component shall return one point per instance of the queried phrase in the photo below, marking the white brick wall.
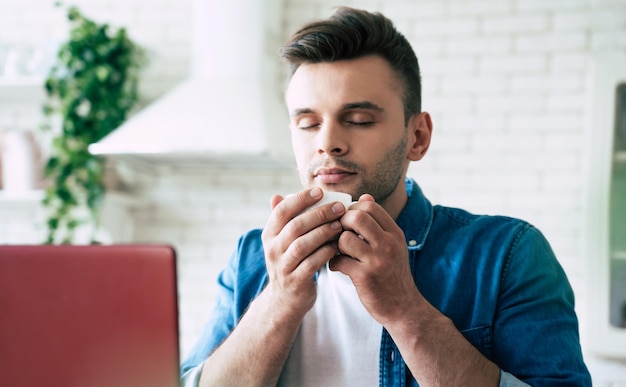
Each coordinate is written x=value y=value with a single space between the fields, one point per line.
x=506 y=82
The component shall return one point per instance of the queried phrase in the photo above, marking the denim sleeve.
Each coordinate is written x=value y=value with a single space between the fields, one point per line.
x=535 y=332
x=220 y=323
x=506 y=380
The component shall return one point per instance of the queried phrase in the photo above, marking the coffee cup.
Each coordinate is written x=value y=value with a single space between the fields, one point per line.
x=331 y=197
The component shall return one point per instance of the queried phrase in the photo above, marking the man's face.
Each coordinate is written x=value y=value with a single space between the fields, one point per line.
x=347 y=127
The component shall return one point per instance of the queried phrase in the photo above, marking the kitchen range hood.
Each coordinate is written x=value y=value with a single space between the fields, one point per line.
x=229 y=112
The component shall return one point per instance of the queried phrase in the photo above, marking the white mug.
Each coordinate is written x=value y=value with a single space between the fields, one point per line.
x=331 y=197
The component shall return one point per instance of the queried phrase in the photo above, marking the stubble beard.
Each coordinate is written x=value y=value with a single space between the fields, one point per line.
x=384 y=178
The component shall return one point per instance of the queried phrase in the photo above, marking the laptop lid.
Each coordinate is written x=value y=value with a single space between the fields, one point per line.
x=88 y=316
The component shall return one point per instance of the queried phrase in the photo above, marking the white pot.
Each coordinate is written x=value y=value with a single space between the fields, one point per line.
x=19 y=161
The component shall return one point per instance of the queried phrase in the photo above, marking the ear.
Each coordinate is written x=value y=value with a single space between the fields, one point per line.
x=420 y=131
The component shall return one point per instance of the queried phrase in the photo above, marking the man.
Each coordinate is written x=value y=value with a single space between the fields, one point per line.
x=393 y=291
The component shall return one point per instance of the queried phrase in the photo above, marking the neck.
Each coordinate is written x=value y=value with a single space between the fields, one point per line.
x=396 y=201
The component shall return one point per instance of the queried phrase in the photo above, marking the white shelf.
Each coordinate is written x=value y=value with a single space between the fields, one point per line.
x=9 y=197
x=21 y=81
x=22 y=88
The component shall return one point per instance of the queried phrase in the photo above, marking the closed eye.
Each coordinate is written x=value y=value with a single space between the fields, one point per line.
x=307 y=124
x=361 y=123
x=359 y=118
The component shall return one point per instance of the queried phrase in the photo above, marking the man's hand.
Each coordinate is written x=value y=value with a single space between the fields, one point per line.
x=375 y=257
x=297 y=244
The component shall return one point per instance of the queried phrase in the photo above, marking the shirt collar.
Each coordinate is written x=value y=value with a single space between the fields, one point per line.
x=416 y=217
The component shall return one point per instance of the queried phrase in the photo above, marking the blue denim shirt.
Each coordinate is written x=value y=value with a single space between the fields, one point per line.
x=495 y=277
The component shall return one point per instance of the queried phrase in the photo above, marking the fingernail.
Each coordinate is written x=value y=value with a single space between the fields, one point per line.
x=336 y=225
x=315 y=192
x=338 y=208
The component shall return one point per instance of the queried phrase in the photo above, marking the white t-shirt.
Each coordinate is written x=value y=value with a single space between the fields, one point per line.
x=338 y=343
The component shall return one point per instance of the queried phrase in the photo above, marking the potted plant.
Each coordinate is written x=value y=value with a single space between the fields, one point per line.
x=90 y=91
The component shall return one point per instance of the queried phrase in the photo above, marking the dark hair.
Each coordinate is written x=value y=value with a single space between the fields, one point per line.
x=351 y=34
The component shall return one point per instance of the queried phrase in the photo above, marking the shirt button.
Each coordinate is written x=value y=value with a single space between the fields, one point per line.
x=412 y=242
x=392 y=355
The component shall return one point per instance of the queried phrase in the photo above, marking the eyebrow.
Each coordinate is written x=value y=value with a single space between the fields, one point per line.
x=365 y=105
x=362 y=105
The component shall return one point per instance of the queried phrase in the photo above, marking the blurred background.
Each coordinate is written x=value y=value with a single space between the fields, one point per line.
x=527 y=97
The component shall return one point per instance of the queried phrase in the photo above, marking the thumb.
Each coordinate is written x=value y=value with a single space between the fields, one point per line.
x=275 y=200
x=366 y=198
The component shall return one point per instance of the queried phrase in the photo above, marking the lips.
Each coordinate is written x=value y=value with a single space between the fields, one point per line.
x=332 y=175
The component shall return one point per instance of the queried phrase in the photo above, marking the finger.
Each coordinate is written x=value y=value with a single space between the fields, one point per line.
x=285 y=209
x=307 y=248
x=367 y=198
x=307 y=232
x=315 y=261
x=353 y=245
x=275 y=200
x=308 y=220
x=343 y=264
x=358 y=218
x=361 y=222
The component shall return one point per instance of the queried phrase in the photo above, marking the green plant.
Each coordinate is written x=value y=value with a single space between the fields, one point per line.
x=90 y=90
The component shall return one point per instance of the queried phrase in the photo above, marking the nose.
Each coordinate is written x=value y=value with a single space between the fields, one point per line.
x=332 y=139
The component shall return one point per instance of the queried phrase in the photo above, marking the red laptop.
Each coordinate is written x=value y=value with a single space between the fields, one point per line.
x=91 y=316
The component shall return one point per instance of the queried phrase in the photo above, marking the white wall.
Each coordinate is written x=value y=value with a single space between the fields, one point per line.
x=506 y=81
